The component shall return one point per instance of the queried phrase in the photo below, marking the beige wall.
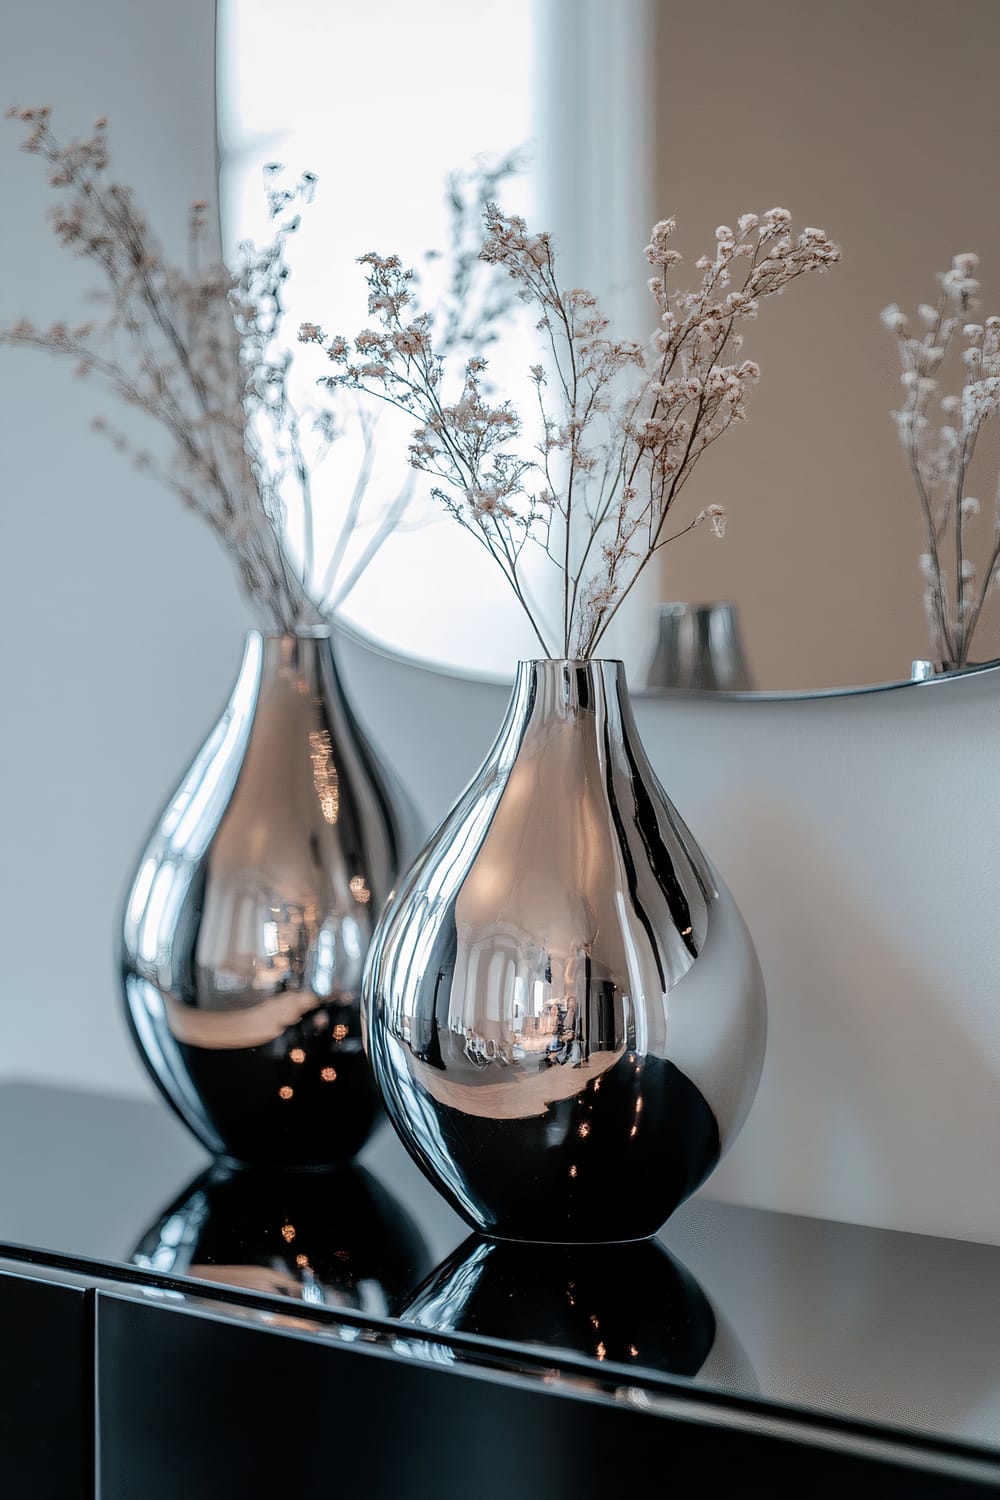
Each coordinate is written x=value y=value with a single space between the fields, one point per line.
x=878 y=120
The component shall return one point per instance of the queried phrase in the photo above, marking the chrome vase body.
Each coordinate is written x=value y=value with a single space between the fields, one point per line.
x=562 y=1005
x=250 y=914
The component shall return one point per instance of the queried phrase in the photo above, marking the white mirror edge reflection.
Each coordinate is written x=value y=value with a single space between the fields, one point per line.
x=372 y=646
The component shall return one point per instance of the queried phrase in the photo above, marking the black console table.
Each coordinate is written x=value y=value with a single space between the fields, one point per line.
x=176 y=1331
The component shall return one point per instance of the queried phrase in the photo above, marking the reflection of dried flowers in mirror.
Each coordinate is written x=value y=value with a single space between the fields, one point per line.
x=618 y=426
x=939 y=433
x=200 y=351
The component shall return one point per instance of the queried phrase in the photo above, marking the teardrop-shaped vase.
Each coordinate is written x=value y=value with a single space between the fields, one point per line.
x=248 y=921
x=562 y=1004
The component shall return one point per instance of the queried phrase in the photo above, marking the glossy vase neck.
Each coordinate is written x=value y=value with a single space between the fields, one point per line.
x=571 y=685
x=283 y=653
x=554 y=690
x=575 y=713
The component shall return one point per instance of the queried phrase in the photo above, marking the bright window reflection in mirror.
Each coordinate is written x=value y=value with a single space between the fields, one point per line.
x=382 y=101
x=874 y=122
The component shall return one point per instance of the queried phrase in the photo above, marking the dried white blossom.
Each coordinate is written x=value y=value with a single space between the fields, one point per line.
x=940 y=454
x=894 y=318
x=716 y=516
x=200 y=351
x=620 y=425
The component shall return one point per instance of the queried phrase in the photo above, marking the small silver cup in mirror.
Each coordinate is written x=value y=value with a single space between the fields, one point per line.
x=923 y=670
x=699 y=647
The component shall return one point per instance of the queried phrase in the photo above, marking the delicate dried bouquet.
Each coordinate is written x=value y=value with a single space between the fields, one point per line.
x=940 y=449
x=618 y=426
x=200 y=351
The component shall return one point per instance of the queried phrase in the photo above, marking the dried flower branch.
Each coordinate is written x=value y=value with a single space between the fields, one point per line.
x=940 y=452
x=201 y=352
x=619 y=426
x=192 y=349
x=472 y=307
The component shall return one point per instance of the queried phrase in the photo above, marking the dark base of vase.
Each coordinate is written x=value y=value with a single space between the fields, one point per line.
x=333 y=1234
x=598 y=1242
x=585 y=1172
x=305 y=1101
x=269 y=1112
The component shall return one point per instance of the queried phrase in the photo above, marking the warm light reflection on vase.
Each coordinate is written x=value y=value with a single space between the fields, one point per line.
x=249 y=919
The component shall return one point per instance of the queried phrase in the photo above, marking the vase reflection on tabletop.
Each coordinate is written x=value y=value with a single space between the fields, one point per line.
x=337 y=1238
x=562 y=1004
x=251 y=911
x=624 y=1303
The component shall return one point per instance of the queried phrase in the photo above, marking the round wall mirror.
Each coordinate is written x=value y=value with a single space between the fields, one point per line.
x=876 y=123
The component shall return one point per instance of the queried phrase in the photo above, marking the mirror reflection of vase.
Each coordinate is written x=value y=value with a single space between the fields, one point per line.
x=333 y=1238
x=629 y=1303
x=699 y=648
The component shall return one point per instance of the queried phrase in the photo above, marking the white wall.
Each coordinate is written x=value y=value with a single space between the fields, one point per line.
x=120 y=622
x=859 y=834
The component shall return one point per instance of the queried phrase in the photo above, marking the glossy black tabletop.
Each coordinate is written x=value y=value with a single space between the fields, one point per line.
x=894 y=1329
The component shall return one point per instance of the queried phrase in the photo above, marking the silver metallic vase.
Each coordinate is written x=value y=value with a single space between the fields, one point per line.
x=248 y=922
x=562 y=1005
